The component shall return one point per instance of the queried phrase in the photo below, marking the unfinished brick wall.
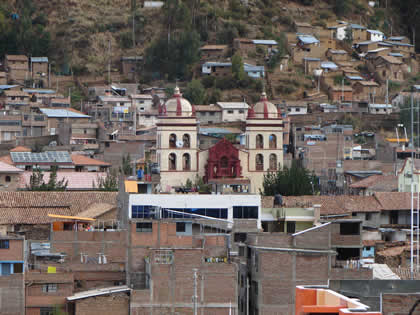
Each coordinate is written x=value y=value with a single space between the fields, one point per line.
x=115 y=304
x=14 y=252
x=400 y=304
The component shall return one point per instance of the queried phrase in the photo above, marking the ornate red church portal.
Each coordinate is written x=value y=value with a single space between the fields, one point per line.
x=223 y=161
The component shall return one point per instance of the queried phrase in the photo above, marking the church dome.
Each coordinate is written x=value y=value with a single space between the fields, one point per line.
x=177 y=105
x=265 y=109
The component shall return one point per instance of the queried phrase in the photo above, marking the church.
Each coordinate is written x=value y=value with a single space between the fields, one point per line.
x=227 y=166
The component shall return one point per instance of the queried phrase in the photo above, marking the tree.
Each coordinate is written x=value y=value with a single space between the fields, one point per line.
x=349 y=35
x=173 y=59
x=109 y=183
x=126 y=168
x=238 y=71
x=195 y=92
x=341 y=7
x=53 y=184
x=37 y=183
x=294 y=181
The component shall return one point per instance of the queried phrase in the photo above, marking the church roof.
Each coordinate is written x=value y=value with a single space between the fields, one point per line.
x=264 y=109
x=177 y=106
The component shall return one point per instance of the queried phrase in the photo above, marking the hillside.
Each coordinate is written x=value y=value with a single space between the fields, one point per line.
x=80 y=36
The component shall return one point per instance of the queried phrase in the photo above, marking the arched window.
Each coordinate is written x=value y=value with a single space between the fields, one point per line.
x=224 y=162
x=8 y=179
x=259 y=162
x=186 y=140
x=273 y=142
x=259 y=142
x=172 y=161
x=273 y=162
x=172 y=140
x=186 y=162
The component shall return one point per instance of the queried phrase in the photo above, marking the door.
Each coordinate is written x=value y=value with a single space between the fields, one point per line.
x=5 y=269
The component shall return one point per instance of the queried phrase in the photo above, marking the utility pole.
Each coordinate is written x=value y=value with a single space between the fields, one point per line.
x=387 y=96
x=109 y=61
x=195 y=297
x=134 y=35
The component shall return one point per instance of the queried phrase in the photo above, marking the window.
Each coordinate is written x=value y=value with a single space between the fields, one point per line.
x=50 y=287
x=273 y=162
x=224 y=162
x=209 y=212
x=259 y=162
x=240 y=237
x=172 y=140
x=291 y=227
x=186 y=140
x=180 y=226
x=172 y=161
x=349 y=228
x=17 y=268
x=46 y=311
x=245 y=212
x=259 y=142
x=368 y=216
x=186 y=162
x=241 y=111
x=211 y=113
x=144 y=227
x=141 y=212
x=164 y=257
x=272 y=141
x=4 y=244
x=8 y=179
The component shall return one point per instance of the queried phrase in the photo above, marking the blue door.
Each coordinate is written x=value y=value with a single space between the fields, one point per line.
x=5 y=269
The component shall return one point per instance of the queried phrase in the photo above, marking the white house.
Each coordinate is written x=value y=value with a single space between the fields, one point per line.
x=380 y=108
x=296 y=108
x=375 y=36
x=222 y=207
x=233 y=111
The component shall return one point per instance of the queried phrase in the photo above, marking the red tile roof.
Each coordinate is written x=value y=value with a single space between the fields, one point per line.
x=330 y=205
x=394 y=200
x=7 y=168
x=21 y=148
x=30 y=207
x=378 y=183
x=79 y=159
x=6 y=159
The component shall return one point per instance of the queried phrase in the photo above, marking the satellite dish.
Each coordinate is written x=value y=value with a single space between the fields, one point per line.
x=179 y=143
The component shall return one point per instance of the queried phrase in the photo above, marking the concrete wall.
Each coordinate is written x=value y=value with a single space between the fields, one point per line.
x=12 y=295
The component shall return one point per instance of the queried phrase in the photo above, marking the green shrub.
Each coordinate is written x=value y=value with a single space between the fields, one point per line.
x=208 y=81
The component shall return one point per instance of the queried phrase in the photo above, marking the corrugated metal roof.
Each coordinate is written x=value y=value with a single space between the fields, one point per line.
x=307 y=39
x=311 y=59
x=217 y=64
x=357 y=26
x=6 y=86
x=264 y=42
x=354 y=77
x=328 y=65
x=97 y=292
x=39 y=91
x=231 y=105
x=396 y=54
x=396 y=38
x=62 y=113
x=252 y=68
x=39 y=59
x=375 y=32
x=215 y=130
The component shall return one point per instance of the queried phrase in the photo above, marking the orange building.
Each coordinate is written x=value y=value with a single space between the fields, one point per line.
x=311 y=300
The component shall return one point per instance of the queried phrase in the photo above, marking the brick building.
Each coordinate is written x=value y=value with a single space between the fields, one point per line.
x=17 y=68
x=12 y=261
